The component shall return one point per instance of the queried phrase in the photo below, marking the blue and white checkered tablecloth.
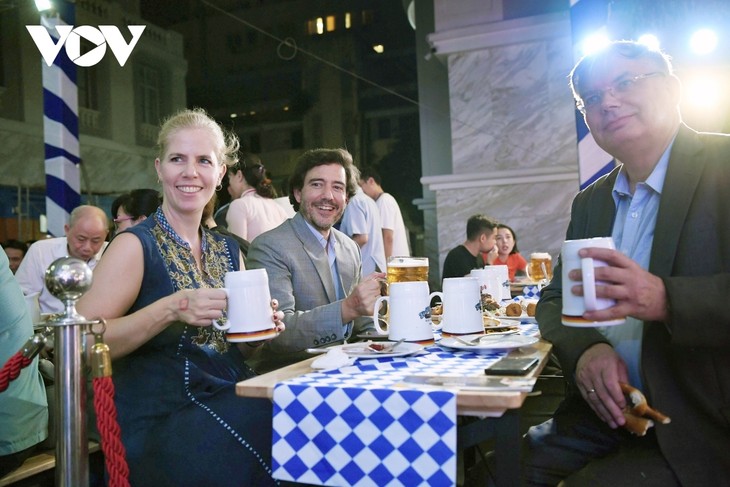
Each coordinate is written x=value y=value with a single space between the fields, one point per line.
x=351 y=427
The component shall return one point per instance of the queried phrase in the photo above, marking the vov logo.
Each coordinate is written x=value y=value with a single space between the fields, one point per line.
x=70 y=38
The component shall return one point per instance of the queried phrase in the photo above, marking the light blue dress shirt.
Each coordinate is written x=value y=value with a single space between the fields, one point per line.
x=633 y=233
x=329 y=246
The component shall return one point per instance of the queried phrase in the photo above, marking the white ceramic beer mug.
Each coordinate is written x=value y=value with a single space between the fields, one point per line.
x=462 y=306
x=249 y=314
x=493 y=280
x=409 y=319
x=574 y=306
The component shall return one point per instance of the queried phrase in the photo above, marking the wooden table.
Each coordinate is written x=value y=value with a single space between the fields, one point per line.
x=499 y=411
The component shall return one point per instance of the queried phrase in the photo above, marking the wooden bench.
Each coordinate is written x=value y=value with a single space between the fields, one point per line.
x=37 y=464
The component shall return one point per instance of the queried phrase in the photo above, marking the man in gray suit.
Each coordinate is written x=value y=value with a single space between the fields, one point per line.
x=314 y=270
x=666 y=206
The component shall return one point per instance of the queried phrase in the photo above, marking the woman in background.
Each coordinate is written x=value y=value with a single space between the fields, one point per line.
x=255 y=212
x=159 y=286
x=134 y=207
x=507 y=252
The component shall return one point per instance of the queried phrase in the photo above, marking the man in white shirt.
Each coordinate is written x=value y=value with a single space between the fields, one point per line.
x=395 y=236
x=85 y=239
x=361 y=222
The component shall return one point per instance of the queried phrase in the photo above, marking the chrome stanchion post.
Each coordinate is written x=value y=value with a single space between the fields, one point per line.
x=68 y=279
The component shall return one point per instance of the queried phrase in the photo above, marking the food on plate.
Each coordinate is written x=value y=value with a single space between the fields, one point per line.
x=531 y=307
x=500 y=329
x=490 y=321
x=513 y=309
x=488 y=303
x=638 y=414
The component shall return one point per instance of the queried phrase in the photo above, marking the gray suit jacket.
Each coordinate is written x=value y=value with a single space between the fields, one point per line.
x=300 y=279
x=685 y=360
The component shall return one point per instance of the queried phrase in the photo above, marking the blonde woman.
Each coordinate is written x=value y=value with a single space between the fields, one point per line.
x=159 y=287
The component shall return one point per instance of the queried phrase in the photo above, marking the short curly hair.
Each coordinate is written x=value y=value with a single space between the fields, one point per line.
x=321 y=157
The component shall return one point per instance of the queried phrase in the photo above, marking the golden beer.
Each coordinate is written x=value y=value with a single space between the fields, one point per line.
x=407 y=269
x=540 y=267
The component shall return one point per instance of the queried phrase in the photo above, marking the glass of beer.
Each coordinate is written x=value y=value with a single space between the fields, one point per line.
x=407 y=269
x=540 y=268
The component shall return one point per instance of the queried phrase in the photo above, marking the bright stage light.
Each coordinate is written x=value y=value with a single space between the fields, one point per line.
x=703 y=92
x=43 y=5
x=704 y=41
x=650 y=40
x=594 y=43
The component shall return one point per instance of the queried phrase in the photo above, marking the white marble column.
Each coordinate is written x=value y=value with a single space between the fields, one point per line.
x=512 y=129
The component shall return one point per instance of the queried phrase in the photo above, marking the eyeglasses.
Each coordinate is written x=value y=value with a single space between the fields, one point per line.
x=593 y=99
x=118 y=220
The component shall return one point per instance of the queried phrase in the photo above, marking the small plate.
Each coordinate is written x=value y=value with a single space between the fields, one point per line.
x=361 y=350
x=487 y=344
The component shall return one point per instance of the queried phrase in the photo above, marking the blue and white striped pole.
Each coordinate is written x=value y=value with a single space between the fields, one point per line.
x=588 y=17
x=61 y=128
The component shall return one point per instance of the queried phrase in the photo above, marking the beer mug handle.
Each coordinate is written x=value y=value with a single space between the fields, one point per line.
x=589 y=283
x=216 y=323
x=527 y=272
x=433 y=295
x=376 y=317
x=440 y=295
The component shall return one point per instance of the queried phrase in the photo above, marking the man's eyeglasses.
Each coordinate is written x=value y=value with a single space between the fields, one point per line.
x=593 y=99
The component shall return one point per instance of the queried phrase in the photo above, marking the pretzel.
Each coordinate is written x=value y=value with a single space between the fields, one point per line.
x=638 y=414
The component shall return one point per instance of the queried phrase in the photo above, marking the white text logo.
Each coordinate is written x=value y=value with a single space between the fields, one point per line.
x=70 y=37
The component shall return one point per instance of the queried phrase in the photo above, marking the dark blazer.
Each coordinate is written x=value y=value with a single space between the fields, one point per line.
x=685 y=360
x=301 y=280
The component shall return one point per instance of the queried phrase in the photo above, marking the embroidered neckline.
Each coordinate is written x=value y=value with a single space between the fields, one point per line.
x=184 y=274
x=165 y=225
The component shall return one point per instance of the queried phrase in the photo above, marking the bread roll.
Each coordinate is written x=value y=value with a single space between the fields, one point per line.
x=513 y=309
x=531 y=307
x=638 y=413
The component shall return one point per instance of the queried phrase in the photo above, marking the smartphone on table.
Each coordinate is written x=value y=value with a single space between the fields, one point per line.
x=512 y=366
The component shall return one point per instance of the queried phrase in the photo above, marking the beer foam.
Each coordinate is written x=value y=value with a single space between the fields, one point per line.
x=407 y=262
x=540 y=255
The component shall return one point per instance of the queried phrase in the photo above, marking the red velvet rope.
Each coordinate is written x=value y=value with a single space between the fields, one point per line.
x=11 y=369
x=111 y=440
x=106 y=418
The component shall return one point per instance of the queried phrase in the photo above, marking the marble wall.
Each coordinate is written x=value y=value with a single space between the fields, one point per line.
x=513 y=131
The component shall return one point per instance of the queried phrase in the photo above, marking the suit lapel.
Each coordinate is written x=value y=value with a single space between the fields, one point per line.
x=680 y=185
x=316 y=254
x=601 y=222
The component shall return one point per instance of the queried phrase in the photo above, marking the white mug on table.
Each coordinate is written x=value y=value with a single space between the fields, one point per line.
x=462 y=306
x=410 y=312
x=249 y=314
x=574 y=306
x=494 y=280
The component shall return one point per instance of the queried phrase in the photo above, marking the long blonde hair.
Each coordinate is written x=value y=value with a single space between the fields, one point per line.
x=227 y=143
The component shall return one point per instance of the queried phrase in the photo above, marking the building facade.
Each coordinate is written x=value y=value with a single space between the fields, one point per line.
x=120 y=109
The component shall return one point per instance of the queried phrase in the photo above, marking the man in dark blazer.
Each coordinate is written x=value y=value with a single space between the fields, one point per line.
x=314 y=269
x=667 y=206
